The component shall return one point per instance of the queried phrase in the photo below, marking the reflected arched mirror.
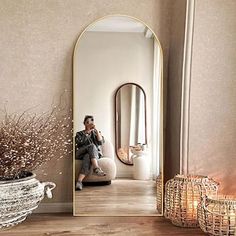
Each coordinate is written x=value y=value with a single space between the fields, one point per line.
x=130 y=120
x=117 y=120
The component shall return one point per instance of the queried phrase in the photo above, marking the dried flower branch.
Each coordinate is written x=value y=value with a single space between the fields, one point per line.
x=27 y=141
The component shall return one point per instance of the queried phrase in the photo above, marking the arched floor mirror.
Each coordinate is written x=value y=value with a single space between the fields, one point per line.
x=118 y=119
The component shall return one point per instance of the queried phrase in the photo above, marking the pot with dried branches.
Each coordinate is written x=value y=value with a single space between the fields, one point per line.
x=26 y=142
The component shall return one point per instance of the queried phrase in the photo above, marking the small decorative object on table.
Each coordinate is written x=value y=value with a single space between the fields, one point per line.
x=217 y=216
x=183 y=194
x=26 y=142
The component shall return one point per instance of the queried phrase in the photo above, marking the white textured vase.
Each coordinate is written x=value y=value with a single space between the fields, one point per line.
x=141 y=163
x=18 y=198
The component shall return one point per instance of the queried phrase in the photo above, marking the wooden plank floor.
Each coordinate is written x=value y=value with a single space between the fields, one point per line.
x=121 y=197
x=67 y=225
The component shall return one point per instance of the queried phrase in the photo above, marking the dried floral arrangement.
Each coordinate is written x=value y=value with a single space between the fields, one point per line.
x=29 y=140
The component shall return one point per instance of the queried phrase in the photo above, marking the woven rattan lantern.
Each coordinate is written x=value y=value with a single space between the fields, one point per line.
x=217 y=216
x=182 y=196
x=159 y=188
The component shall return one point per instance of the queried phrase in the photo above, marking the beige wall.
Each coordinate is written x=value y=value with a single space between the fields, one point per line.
x=104 y=62
x=212 y=134
x=37 y=41
x=174 y=87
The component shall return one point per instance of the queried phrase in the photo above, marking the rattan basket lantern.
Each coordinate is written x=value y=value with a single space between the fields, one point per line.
x=182 y=196
x=159 y=185
x=217 y=216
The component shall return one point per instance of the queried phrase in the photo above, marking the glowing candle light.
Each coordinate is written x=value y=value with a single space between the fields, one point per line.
x=182 y=196
x=217 y=216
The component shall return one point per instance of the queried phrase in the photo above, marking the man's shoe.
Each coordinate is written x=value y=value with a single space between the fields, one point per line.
x=79 y=186
x=99 y=172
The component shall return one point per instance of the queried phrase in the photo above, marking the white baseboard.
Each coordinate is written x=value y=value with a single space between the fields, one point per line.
x=54 y=207
x=123 y=174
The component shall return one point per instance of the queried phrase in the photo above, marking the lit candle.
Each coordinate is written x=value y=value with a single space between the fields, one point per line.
x=192 y=209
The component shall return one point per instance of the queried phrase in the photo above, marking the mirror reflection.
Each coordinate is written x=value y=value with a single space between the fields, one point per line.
x=130 y=104
x=117 y=113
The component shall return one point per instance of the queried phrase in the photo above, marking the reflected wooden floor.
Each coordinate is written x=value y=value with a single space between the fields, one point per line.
x=122 y=197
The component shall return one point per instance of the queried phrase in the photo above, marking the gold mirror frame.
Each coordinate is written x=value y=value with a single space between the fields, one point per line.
x=160 y=199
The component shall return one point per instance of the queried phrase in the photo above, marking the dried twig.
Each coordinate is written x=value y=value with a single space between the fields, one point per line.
x=27 y=141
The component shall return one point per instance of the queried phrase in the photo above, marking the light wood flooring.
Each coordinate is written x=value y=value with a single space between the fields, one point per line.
x=67 y=225
x=121 y=197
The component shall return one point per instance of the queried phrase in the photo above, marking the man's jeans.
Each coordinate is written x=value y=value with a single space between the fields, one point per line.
x=85 y=154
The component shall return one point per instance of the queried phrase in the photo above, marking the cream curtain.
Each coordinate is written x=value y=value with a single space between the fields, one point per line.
x=137 y=116
x=156 y=109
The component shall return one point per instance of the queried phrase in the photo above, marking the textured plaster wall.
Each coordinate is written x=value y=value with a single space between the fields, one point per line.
x=212 y=133
x=37 y=41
